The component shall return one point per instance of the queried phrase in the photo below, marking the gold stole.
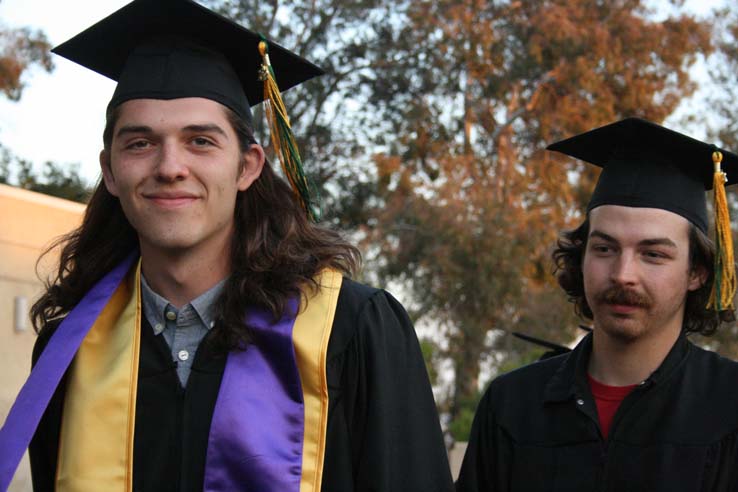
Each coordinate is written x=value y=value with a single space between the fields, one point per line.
x=310 y=337
x=96 y=442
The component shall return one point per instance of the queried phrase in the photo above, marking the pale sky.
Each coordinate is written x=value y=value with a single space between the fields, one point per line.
x=61 y=115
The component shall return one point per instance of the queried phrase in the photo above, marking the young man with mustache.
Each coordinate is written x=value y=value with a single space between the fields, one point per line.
x=202 y=332
x=635 y=406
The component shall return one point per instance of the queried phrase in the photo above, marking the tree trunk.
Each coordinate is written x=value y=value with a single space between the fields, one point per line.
x=466 y=371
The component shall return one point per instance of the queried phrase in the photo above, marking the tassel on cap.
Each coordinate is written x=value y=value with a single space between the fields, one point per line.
x=282 y=137
x=724 y=283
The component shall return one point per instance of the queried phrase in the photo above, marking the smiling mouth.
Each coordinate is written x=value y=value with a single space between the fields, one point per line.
x=171 y=201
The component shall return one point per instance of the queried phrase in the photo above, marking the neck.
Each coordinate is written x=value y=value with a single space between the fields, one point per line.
x=616 y=362
x=180 y=277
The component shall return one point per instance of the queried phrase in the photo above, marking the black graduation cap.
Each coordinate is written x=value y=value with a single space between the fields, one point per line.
x=647 y=165
x=167 y=49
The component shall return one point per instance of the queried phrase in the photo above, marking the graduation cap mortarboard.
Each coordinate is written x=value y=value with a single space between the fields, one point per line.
x=647 y=165
x=169 y=49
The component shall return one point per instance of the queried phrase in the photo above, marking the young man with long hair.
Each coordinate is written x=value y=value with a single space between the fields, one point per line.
x=201 y=332
x=635 y=406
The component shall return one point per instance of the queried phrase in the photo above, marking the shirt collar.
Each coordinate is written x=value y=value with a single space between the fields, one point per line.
x=571 y=377
x=155 y=306
x=204 y=305
x=570 y=374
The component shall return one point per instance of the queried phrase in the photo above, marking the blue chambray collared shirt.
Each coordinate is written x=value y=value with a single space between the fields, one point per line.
x=183 y=328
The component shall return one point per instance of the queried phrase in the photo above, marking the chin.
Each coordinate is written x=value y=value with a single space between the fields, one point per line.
x=172 y=243
x=625 y=331
x=622 y=335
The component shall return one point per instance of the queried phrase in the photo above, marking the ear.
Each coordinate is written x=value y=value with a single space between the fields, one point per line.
x=252 y=165
x=697 y=278
x=107 y=173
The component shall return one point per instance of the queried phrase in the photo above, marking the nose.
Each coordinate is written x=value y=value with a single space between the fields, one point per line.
x=171 y=165
x=624 y=270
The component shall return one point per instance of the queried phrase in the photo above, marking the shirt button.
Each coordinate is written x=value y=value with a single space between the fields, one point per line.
x=183 y=355
x=580 y=402
x=158 y=327
x=171 y=315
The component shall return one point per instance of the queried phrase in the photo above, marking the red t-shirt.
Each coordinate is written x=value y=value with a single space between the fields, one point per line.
x=608 y=399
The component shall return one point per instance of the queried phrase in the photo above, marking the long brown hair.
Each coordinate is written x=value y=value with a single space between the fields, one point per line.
x=276 y=251
x=569 y=254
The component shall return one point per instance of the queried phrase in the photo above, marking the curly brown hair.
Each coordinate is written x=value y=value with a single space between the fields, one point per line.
x=569 y=254
x=276 y=251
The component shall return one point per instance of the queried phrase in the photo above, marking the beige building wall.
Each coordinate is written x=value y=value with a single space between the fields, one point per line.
x=29 y=222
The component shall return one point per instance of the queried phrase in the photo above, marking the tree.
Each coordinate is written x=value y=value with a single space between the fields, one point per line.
x=467 y=203
x=5 y=159
x=20 y=49
x=722 y=101
x=60 y=180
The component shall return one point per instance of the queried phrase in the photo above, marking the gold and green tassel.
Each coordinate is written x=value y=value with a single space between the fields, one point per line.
x=282 y=137
x=724 y=284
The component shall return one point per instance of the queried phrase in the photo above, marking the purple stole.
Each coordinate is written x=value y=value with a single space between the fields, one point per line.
x=263 y=396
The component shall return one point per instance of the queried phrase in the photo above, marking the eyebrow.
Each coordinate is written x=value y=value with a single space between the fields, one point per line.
x=657 y=241
x=133 y=129
x=205 y=128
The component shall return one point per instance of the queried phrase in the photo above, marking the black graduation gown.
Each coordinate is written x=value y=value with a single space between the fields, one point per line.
x=537 y=429
x=383 y=430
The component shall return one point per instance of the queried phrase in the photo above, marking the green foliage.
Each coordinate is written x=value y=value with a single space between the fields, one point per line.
x=5 y=160
x=431 y=353
x=60 y=180
x=460 y=427
x=63 y=181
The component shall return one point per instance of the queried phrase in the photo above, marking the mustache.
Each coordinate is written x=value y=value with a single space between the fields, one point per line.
x=619 y=295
